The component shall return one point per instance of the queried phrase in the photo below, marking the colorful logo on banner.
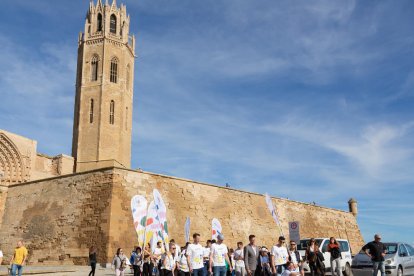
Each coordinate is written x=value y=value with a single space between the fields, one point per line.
x=162 y=215
x=187 y=229
x=153 y=226
x=215 y=228
x=139 y=215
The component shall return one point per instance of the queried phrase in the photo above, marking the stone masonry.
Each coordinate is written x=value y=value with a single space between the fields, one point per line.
x=59 y=218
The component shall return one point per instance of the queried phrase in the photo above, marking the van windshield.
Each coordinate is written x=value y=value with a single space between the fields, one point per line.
x=303 y=244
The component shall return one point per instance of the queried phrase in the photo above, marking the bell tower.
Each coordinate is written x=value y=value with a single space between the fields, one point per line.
x=104 y=89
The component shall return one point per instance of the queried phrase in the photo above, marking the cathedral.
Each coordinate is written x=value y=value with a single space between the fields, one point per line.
x=62 y=205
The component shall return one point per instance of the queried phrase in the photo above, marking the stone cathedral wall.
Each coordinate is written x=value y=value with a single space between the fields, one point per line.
x=60 y=218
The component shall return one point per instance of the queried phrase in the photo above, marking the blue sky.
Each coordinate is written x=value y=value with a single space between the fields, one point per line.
x=310 y=100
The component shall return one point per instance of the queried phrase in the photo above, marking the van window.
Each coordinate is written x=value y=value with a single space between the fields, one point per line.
x=303 y=244
x=324 y=246
x=344 y=246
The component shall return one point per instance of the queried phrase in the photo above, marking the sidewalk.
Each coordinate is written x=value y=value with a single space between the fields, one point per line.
x=63 y=271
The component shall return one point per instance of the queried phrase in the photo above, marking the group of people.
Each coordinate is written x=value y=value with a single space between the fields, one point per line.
x=217 y=259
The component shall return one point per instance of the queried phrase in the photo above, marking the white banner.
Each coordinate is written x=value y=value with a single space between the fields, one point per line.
x=162 y=216
x=187 y=229
x=294 y=233
x=215 y=228
x=139 y=214
x=273 y=211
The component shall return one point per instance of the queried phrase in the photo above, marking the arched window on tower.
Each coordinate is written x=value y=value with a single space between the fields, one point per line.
x=94 y=68
x=112 y=113
x=112 y=25
x=91 y=112
x=113 y=74
x=128 y=72
x=99 y=23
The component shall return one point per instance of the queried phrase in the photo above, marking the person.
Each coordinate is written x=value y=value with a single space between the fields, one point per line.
x=136 y=260
x=376 y=251
x=157 y=255
x=206 y=258
x=335 y=250
x=279 y=256
x=251 y=255
x=231 y=262
x=119 y=262
x=177 y=248
x=290 y=270
x=147 y=265
x=218 y=257
x=294 y=257
x=18 y=259
x=264 y=262
x=182 y=264
x=239 y=265
x=168 y=261
x=92 y=260
x=315 y=258
x=195 y=253
x=1 y=257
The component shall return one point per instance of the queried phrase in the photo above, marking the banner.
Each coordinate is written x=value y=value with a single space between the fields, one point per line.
x=162 y=216
x=139 y=215
x=215 y=228
x=273 y=211
x=153 y=226
x=294 y=235
x=187 y=229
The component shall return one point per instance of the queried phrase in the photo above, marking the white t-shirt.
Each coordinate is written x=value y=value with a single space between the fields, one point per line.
x=287 y=272
x=207 y=253
x=1 y=254
x=177 y=251
x=237 y=254
x=196 y=253
x=280 y=253
x=182 y=261
x=293 y=257
x=158 y=251
x=169 y=263
x=219 y=252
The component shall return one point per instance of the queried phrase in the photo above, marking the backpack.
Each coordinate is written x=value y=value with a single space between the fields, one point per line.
x=123 y=264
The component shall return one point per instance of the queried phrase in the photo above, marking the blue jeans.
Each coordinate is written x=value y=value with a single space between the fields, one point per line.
x=280 y=269
x=16 y=268
x=198 y=272
x=206 y=268
x=219 y=270
x=378 y=266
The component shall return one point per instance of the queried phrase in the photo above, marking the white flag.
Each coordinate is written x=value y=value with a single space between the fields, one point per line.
x=187 y=229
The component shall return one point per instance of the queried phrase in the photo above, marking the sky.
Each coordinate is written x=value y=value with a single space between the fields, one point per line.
x=306 y=100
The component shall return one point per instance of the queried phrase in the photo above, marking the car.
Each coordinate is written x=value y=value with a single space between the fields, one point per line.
x=399 y=259
x=346 y=260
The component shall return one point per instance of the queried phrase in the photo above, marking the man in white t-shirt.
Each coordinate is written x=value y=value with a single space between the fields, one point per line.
x=207 y=258
x=279 y=256
x=239 y=259
x=290 y=270
x=218 y=257
x=1 y=256
x=195 y=254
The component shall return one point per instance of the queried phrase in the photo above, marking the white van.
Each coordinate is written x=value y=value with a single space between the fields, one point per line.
x=346 y=260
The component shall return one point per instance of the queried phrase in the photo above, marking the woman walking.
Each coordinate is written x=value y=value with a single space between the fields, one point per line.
x=92 y=260
x=335 y=250
x=119 y=262
x=315 y=258
x=147 y=266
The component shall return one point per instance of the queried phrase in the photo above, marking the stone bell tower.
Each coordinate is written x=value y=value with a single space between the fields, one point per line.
x=104 y=89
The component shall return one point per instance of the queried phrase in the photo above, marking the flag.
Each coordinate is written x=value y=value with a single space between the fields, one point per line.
x=153 y=226
x=187 y=229
x=162 y=216
x=139 y=215
x=215 y=228
x=273 y=211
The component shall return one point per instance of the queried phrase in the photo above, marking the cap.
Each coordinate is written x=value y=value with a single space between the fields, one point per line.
x=220 y=237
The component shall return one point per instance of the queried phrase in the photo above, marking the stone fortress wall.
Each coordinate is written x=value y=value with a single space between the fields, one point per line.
x=61 y=217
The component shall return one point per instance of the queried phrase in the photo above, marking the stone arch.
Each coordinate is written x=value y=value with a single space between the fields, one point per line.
x=11 y=162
